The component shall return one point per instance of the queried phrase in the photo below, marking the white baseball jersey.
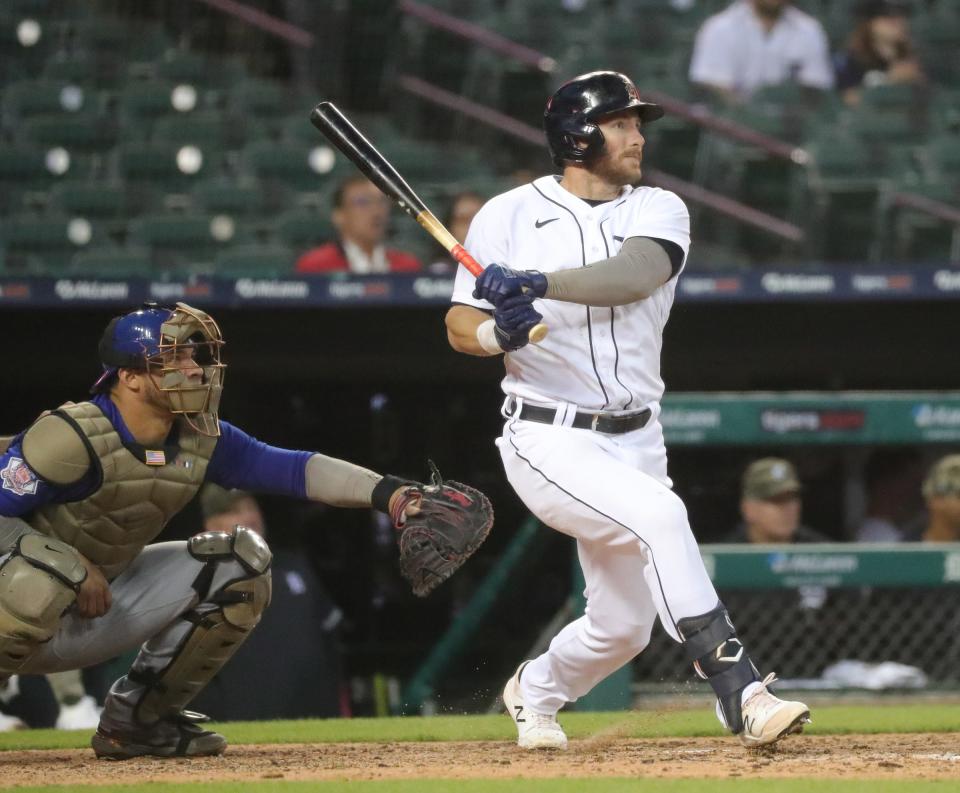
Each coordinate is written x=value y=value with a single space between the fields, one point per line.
x=597 y=358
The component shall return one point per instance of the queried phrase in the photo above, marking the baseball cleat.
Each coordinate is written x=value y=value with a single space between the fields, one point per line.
x=767 y=719
x=174 y=736
x=535 y=730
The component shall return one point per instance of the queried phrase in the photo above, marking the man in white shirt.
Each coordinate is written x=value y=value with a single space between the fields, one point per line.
x=754 y=43
x=582 y=445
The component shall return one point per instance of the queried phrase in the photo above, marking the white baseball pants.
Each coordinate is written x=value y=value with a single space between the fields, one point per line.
x=638 y=554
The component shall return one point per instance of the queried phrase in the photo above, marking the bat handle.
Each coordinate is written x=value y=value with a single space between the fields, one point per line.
x=538 y=332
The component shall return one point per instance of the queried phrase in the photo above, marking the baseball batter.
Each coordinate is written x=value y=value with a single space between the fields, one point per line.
x=582 y=445
x=87 y=486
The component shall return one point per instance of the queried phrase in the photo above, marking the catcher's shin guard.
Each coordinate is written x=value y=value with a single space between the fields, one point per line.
x=38 y=582
x=220 y=623
x=711 y=645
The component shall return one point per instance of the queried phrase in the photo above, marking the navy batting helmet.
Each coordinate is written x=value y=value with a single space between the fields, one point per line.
x=572 y=112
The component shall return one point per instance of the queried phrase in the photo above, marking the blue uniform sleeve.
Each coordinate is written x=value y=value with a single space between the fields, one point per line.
x=241 y=461
x=22 y=491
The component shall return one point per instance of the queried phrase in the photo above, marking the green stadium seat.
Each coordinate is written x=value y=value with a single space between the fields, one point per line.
x=298 y=166
x=229 y=197
x=36 y=97
x=25 y=169
x=93 y=199
x=113 y=262
x=183 y=67
x=941 y=158
x=261 y=98
x=843 y=184
x=210 y=129
x=72 y=131
x=255 y=260
x=53 y=240
x=167 y=165
x=151 y=99
x=921 y=237
x=303 y=228
x=179 y=240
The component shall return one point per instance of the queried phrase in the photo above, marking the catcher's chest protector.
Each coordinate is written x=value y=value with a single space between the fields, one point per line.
x=134 y=500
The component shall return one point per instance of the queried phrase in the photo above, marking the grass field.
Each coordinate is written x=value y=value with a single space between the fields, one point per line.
x=448 y=753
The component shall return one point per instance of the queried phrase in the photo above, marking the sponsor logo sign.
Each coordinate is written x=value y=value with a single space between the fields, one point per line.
x=359 y=290
x=899 y=282
x=947 y=280
x=786 y=421
x=67 y=289
x=271 y=288
x=175 y=290
x=700 y=285
x=798 y=283
x=928 y=416
x=14 y=290
x=429 y=288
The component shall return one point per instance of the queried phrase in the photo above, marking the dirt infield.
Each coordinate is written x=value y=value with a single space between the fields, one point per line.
x=931 y=756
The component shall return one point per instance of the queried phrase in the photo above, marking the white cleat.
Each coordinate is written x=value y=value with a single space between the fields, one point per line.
x=84 y=714
x=535 y=730
x=767 y=719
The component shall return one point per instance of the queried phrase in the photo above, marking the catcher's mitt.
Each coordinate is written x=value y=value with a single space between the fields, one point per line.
x=440 y=525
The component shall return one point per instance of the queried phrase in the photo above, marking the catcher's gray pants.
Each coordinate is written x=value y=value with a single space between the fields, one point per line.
x=148 y=599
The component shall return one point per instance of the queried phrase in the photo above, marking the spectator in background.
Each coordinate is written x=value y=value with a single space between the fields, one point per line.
x=770 y=505
x=892 y=479
x=879 y=51
x=289 y=668
x=941 y=489
x=361 y=214
x=754 y=43
x=463 y=206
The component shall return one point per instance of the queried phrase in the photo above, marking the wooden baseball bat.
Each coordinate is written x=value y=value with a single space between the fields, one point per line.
x=341 y=132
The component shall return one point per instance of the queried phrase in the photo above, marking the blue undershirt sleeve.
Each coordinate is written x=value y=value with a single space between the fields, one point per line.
x=22 y=490
x=243 y=462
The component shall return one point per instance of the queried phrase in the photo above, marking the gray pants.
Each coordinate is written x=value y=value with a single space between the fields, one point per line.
x=149 y=598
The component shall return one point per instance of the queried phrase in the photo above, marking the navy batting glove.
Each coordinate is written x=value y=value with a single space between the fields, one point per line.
x=496 y=283
x=513 y=319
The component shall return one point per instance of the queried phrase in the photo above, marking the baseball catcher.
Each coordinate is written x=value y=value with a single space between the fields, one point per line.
x=87 y=487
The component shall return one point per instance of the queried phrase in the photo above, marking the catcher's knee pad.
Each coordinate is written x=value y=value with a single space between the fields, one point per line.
x=711 y=644
x=38 y=582
x=220 y=622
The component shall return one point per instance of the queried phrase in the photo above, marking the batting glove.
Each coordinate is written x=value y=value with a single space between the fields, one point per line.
x=496 y=283
x=513 y=319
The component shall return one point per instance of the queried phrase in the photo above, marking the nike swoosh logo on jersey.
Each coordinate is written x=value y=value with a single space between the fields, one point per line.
x=541 y=223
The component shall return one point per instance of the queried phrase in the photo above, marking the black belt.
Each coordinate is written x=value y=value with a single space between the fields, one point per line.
x=600 y=422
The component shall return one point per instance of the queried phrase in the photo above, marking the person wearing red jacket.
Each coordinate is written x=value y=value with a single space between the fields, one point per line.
x=361 y=214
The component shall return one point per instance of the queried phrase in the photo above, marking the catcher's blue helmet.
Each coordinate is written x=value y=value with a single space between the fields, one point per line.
x=129 y=340
x=572 y=112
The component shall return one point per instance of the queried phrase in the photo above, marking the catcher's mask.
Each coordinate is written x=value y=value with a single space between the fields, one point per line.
x=160 y=340
x=570 y=119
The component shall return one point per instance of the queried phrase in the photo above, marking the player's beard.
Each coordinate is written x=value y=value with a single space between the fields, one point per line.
x=619 y=171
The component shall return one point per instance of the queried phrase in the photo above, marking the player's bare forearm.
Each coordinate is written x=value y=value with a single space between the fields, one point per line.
x=462 y=324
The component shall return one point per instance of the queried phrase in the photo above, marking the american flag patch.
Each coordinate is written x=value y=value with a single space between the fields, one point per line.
x=152 y=457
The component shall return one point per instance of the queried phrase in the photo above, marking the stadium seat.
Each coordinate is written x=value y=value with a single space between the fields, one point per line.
x=921 y=237
x=255 y=260
x=261 y=98
x=941 y=158
x=167 y=165
x=179 y=240
x=53 y=240
x=298 y=166
x=845 y=190
x=150 y=99
x=300 y=229
x=112 y=262
x=35 y=97
x=229 y=197
x=203 y=129
x=25 y=169
x=92 y=199
x=72 y=131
